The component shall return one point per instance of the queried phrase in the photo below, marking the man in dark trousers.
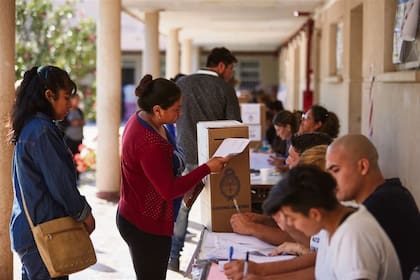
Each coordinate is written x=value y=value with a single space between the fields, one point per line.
x=206 y=96
x=353 y=161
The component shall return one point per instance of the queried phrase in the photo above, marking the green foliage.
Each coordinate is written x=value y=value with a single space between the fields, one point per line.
x=50 y=34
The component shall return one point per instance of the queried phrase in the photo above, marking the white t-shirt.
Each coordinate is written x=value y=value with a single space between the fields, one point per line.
x=359 y=249
x=316 y=238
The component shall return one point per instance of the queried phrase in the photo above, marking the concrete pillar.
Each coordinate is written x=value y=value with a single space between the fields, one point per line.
x=186 y=56
x=280 y=64
x=7 y=81
x=108 y=99
x=151 y=59
x=172 y=53
x=303 y=46
x=195 y=59
x=281 y=54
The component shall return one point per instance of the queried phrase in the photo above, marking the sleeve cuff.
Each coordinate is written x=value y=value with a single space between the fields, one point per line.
x=81 y=216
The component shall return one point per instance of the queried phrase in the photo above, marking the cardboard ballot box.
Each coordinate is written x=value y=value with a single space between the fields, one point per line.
x=253 y=115
x=216 y=199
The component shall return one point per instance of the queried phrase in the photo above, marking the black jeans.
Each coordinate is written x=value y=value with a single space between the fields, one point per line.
x=149 y=252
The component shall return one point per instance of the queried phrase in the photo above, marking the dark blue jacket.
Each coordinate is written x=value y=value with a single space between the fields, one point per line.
x=44 y=168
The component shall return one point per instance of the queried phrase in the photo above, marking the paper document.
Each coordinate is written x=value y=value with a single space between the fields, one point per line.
x=231 y=147
x=250 y=113
x=216 y=272
x=215 y=246
x=260 y=160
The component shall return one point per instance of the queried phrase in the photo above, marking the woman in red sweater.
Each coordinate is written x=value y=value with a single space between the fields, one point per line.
x=151 y=183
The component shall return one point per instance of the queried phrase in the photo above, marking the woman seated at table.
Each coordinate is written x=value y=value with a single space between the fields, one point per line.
x=286 y=125
x=319 y=119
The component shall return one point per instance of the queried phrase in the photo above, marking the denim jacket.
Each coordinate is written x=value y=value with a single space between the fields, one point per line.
x=44 y=168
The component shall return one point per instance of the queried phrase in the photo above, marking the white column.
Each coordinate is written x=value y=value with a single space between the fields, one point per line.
x=7 y=80
x=151 y=64
x=195 y=59
x=303 y=46
x=108 y=99
x=280 y=57
x=186 y=56
x=172 y=53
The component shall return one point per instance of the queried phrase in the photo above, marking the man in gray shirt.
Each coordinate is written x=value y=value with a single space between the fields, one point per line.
x=206 y=96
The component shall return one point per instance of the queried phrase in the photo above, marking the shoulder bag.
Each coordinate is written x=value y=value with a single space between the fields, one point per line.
x=64 y=244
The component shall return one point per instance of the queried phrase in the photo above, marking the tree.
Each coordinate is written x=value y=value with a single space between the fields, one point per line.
x=51 y=34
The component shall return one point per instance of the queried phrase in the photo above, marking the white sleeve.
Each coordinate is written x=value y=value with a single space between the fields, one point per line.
x=353 y=256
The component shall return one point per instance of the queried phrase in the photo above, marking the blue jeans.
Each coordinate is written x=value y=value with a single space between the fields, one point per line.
x=180 y=230
x=181 y=224
x=33 y=267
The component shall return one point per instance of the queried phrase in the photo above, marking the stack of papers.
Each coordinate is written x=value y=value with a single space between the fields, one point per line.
x=260 y=160
x=215 y=246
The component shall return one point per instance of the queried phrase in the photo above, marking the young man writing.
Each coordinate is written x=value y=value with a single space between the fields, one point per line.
x=354 y=247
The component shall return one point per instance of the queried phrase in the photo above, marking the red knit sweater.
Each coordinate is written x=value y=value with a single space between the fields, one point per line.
x=148 y=185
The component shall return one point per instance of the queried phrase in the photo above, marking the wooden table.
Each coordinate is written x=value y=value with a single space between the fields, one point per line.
x=260 y=189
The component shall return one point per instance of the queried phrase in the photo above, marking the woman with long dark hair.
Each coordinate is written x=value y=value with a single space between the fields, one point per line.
x=319 y=119
x=43 y=168
x=286 y=125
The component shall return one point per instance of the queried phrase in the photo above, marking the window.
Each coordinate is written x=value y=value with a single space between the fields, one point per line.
x=339 y=49
x=335 y=62
x=249 y=74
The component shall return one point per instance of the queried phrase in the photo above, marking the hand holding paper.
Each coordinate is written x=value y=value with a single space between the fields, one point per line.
x=231 y=147
x=216 y=164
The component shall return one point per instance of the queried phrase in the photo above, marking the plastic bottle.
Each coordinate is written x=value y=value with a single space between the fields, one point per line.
x=265 y=146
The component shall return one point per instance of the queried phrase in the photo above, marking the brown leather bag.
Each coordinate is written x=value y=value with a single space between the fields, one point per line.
x=64 y=244
x=192 y=194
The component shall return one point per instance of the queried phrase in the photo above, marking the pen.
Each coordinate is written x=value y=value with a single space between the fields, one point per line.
x=246 y=264
x=230 y=253
x=236 y=205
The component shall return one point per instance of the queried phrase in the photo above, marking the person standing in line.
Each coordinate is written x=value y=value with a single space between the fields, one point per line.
x=42 y=168
x=75 y=122
x=73 y=126
x=206 y=97
x=151 y=181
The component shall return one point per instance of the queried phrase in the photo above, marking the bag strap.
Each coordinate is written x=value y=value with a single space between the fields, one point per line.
x=26 y=208
x=192 y=194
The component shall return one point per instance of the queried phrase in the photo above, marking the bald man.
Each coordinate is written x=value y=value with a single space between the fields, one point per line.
x=353 y=161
